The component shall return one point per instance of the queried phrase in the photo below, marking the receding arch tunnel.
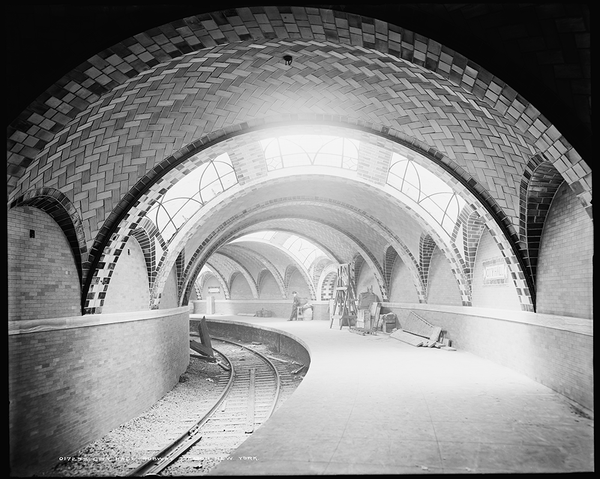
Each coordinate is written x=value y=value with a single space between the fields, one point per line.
x=458 y=123
x=322 y=184
x=443 y=150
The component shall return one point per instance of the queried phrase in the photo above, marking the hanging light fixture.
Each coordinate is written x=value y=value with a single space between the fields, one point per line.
x=287 y=59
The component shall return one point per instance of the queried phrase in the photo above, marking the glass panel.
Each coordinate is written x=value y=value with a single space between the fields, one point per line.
x=274 y=163
x=453 y=209
x=441 y=200
x=292 y=146
x=168 y=211
x=304 y=150
x=412 y=181
x=350 y=163
x=271 y=147
x=430 y=183
x=430 y=192
x=433 y=209
x=188 y=210
x=327 y=159
x=448 y=224
x=190 y=193
x=410 y=191
x=209 y=176
x=303 y=250
x=187 y=186
x=396 y=172
x=228 y=180
x=222 y=167
x=296 y=159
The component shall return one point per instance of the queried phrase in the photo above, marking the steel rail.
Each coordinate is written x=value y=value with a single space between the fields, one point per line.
x=270 y=363
x=181 y=445
x=178 y=447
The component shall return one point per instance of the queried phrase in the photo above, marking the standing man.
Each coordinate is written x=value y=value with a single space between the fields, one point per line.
x=295 y=304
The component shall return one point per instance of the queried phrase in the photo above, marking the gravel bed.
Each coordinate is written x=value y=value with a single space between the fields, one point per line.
x=124 y=448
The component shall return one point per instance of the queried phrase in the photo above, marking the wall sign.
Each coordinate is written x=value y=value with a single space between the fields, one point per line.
x=495 y=272
x=214 y=289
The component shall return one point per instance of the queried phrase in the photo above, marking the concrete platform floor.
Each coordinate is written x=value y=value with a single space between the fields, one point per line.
x=374 y=405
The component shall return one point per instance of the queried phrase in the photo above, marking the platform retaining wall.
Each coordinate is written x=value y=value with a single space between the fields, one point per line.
x=276 y=308
x=276 y=340
x=555 y=351
x=72 y=380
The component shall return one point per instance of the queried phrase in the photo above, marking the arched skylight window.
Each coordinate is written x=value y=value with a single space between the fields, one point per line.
x=303 y=250
x=421 y=188
x=191 y=193
x=310 y=150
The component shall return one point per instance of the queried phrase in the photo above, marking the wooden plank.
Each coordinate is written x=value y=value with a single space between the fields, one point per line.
x=408 y=338
x=200 y=348
x=435 y=334
x=415 y=324
x=205 y=335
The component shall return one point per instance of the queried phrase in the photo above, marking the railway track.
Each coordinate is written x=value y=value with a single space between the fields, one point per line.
x=252 y=388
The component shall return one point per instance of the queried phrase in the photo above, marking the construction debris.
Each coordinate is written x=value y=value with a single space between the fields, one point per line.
x=278 y=359
x=299 y=369
x=224 y=366
x=418 y=332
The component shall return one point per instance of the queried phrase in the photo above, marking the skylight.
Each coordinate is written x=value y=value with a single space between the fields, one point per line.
x=310 y=150
x=191 y=193
x=301 y=249
x=425 y=192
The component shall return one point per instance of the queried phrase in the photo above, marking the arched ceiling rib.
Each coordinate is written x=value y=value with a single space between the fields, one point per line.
x=201 y=81
x=366 y=76
x=347 y=225
x=334 y=244
x=485 y=33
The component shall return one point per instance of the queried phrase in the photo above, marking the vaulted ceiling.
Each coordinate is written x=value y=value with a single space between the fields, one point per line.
x=541 y=49
x=426 y=78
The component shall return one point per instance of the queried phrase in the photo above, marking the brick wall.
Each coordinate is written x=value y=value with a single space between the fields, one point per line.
x=442 y=286
x=68 y=387
x=128 y=289
x=297 y=283
x=212 y=282
x=269 y=289
x=240 y=288
x=565 y=269
x=170 y=297
x=556 y=355
x=491 y=293
x=42 y=275
x=366 y=280
x=402 y=289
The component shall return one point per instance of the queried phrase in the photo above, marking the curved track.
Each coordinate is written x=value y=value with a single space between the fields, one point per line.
x=251 y=394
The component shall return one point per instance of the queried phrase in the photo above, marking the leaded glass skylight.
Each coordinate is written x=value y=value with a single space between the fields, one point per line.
x=425 y=192
x=191 y=193
x=301 y=249
x=310 y=150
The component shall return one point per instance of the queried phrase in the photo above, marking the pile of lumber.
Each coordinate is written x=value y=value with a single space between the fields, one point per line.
x=418 y=332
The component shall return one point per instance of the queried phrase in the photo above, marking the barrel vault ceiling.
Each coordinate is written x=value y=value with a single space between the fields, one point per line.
x=123 y=82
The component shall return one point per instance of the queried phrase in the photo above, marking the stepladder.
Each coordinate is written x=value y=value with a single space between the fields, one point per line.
x=344 y=304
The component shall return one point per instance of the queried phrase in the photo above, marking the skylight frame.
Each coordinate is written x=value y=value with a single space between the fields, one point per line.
x=192 y=193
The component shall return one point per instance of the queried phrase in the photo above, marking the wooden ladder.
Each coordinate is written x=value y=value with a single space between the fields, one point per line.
x=344 y=307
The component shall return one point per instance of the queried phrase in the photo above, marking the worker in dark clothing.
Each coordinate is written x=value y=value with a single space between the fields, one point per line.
x=295 y=305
